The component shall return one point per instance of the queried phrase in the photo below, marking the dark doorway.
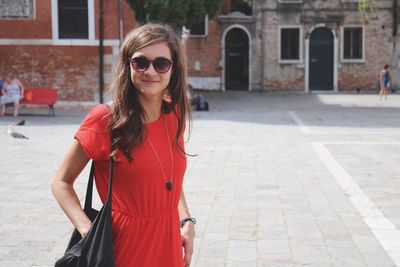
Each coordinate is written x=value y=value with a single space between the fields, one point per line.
x=236 y=60
x=321 y=60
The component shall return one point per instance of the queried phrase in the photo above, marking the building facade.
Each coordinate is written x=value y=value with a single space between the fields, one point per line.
x=298 y=45
x=275 y=45
x=51 y=43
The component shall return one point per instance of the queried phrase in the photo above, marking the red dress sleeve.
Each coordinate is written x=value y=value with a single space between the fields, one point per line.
x=93 y=135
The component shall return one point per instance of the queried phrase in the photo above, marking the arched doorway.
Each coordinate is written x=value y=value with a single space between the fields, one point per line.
x=321 y=60
x=236 y=60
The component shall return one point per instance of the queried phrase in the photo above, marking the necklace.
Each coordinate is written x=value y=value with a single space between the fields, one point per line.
x=167 y=182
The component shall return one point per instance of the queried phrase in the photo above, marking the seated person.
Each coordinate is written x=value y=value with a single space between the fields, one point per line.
x=197 y=99
x=12 y=92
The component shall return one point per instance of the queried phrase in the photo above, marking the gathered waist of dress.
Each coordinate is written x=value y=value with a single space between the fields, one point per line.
x=149 y=216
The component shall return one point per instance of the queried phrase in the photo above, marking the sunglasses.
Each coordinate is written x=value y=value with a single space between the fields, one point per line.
x=160 y=64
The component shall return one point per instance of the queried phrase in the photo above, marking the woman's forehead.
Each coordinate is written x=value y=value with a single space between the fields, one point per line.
x=154 y=50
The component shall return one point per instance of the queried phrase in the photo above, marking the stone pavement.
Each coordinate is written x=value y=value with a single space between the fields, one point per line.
x=278 y=180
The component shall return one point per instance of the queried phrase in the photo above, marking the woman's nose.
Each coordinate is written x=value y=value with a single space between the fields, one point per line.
x=150 y=69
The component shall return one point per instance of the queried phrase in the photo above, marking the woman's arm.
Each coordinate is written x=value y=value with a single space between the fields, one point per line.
x=21 y=87
x=4 y=90
x=187 y=231
x=62 y=187
x=182 y=207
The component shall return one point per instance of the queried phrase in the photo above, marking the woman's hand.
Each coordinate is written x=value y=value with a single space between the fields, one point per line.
x=187 y=235
x=84 y=229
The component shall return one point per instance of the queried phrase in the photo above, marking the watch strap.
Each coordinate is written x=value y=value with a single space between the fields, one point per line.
x=184 y=220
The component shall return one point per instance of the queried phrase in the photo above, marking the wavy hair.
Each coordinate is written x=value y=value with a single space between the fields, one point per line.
x=126 y=125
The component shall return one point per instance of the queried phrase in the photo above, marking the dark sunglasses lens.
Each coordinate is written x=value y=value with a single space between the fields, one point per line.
x=140 y=63
x=162 y=64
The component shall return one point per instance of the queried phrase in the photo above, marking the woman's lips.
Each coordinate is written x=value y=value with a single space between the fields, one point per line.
x=148 y=81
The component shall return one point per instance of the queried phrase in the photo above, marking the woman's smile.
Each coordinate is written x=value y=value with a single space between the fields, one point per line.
x=149 y=81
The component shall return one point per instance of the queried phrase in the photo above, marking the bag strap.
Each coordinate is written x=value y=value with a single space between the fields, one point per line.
x=110 y=179
x=89 y=189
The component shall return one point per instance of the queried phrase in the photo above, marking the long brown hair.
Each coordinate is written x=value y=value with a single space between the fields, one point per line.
x=126 y=125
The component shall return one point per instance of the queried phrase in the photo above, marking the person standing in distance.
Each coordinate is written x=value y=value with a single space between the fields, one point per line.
x=385 y=81
x=1 y=86
x=146 y=123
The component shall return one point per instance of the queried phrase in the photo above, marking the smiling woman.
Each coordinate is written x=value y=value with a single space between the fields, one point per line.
x=150 y=74
x=145 y=123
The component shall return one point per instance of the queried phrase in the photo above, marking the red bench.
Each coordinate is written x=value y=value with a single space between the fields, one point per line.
x=40 y=96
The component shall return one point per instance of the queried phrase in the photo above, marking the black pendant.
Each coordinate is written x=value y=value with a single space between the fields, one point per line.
x=169 y=185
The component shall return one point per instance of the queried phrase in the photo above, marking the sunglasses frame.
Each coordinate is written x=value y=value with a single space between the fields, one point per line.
x=150 y=62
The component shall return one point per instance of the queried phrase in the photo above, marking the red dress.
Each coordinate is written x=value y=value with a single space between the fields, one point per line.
x=144 y=213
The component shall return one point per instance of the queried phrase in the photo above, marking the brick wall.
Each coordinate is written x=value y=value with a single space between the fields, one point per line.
x=378 y=42
x=281 y=77
x=111 y=23
x=378 y=52
x=205 y=50
x=72 y=70
x=203 y=56
x=39 y=27
x=363 y=76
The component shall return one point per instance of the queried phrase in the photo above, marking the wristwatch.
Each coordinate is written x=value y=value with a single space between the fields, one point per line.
x=183 y=221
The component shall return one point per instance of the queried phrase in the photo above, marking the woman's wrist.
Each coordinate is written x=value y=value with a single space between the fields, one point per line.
x=188 y=219
x=83 y=229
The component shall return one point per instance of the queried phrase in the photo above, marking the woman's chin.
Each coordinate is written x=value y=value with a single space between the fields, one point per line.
x=152 y=92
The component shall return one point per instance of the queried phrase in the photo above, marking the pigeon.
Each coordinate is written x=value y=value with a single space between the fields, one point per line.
x=15 y=134
x=21 y=123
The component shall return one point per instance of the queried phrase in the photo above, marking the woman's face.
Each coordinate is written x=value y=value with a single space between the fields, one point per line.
x=148 y=81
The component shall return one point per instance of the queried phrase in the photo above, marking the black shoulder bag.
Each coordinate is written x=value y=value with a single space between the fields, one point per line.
x=96 y=248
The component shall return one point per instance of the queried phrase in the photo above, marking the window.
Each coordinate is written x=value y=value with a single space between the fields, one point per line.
x=200 y=29
x=353 y=43
x=73 y=19
x=290 y=44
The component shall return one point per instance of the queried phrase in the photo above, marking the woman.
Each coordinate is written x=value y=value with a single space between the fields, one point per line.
x=1 y=86
x=12 y=92
x=148 y=202
x=385 y=79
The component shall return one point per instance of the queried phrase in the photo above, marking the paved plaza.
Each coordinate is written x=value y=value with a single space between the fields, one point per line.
x=278 y=180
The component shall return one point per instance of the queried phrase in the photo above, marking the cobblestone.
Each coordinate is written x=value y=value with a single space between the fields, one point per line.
x=264 y=186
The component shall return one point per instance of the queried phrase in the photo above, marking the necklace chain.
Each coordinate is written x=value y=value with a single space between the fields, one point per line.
x=169 y=182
